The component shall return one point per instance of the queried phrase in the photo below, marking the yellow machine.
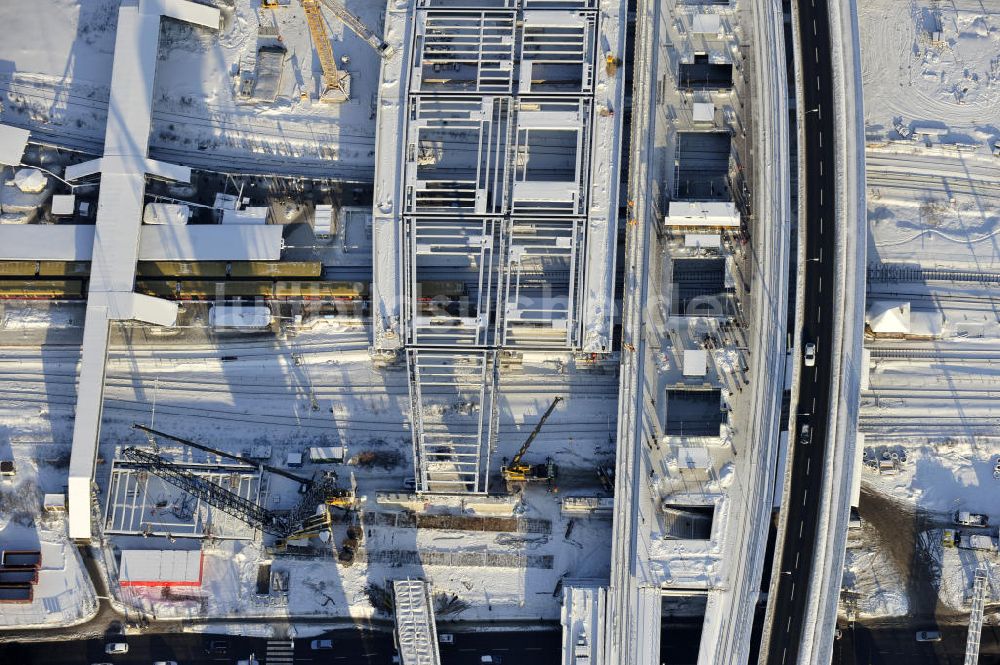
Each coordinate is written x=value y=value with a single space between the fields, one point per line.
x=517 y=471
x=336 y=84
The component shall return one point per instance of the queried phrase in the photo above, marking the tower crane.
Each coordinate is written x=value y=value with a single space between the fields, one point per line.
x=518 y=471
x=353 y=22
x=336 y=83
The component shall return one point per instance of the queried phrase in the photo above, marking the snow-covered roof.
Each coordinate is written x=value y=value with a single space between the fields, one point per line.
x=888 y=316
x=704 y=112
x=211 y=242
x=13 y=141
x=703 y=213
x=198 y=242
x=706 y=23
x=695 y=362
x=161 y=568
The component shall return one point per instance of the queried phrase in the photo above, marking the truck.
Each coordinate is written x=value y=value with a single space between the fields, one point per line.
x=977 y=541
x=966 y=518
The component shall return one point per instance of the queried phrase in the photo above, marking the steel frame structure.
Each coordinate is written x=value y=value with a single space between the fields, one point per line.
x=504 y=108
x=451 y=449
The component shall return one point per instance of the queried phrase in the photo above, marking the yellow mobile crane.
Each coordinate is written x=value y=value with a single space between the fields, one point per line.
x=336 y=84
x=517 y=471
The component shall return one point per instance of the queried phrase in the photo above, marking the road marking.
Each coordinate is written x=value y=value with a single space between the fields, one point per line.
x=791 y=596
x=797 y=560
x=814 y=26
x=808 y=464
x=821 y=197
x=788 y=628
x=821 y=226
x=819 y=314
x=815 y=376
x=801 y=526
x=821 y=139
x=821 y=169
x=805 y=496
x=817 y=83
x=816 y=50
x=814 y=405
x=784 y=655
x=821 y=284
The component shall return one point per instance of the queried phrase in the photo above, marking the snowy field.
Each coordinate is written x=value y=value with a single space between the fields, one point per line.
x=55 y=69
x=931 y=74
x=316 y=388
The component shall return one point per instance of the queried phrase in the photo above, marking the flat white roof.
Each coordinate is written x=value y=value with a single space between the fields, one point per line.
x=115 y=250
x=161 y=568
x=211 y=242
x=695 y=362
x=13 y=141
x=198 y=242
x=703 y=213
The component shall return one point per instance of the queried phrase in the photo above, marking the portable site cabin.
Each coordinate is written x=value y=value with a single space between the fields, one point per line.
x=160 y=568
x=327 y=454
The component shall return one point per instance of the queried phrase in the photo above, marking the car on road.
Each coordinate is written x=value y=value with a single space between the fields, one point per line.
x=217 y=648
x=928 y=636
x=321 y=645
x=115 y=648
x=805 y=434
x=809 y=355
x=165 y=662
x=446 y=638
x=492 y=660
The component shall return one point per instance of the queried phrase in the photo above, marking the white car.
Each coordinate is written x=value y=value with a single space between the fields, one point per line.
x=446 y=638
x=116 y=648
x=809 y=355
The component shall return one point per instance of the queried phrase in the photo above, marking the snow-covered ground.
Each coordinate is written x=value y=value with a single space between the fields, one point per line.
x=63 y=594
x=932 y=109
x=55 y=69
x=317 y=387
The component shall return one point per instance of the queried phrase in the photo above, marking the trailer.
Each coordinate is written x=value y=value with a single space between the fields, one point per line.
x=327 y=454
x=240 y=317
x=965 y=518
x=977 y=542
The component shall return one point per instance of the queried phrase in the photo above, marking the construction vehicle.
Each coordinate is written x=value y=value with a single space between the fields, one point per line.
x=336 y=83
x=359 y=28
x=518 y=471
x=349 y=18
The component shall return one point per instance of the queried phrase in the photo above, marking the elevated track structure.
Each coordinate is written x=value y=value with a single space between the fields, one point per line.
x=499 y=128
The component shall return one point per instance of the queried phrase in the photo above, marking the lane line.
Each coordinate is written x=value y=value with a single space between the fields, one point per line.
x=805 y=496
x=821 y=139
x=808 y=464
x=816 y=50
x=801 y=525
x=814 y=26
x=821 y=169
x=821 y=197
x=820 y=284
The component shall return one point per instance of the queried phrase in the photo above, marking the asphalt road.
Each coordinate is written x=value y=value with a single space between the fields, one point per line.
x=896 y=643
x=349 y=647
x=818 y=191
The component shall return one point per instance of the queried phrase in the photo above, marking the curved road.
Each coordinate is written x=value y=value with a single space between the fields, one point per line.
x=818 y=191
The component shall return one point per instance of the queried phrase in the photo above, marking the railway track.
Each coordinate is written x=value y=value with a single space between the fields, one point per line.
x=901 y=273
x=960 y=355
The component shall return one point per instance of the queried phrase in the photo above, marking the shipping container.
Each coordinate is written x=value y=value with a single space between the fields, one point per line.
x=16 y=593
x=326 y=454
x=21 y=558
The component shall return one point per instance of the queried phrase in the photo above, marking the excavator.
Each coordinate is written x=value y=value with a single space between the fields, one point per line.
x=336 y=83
x=519 y=472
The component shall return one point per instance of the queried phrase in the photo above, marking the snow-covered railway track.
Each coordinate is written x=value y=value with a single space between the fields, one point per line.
x=243 y=386
x=951 y=355
x=249 y=161
x=123 y=407
x=903 y=273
